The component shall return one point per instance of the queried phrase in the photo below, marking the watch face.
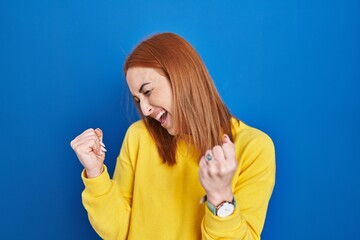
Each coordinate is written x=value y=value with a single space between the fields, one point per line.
x=225 y=210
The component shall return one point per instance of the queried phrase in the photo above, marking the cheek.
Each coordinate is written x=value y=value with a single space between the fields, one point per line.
x=170 y=98
x=170 y=103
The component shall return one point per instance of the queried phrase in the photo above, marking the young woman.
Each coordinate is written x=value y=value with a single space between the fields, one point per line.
x=186 y=148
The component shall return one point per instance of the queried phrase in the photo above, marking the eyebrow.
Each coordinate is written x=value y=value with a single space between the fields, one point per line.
x=142 y=86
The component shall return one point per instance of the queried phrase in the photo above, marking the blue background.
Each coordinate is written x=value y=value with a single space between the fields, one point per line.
x=290 y=68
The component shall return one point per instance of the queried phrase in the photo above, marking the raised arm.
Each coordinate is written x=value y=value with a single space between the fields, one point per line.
x=251 y=186
x=107 y=201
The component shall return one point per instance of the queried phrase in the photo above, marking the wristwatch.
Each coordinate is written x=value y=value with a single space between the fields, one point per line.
x=224 y=209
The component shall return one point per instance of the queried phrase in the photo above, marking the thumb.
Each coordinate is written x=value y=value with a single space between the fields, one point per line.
x=99 y=134
x=226 y=139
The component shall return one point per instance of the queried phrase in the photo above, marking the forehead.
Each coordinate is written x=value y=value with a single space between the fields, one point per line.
x=137 y=76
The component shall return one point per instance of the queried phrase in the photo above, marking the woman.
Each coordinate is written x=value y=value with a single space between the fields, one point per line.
x=187 y=147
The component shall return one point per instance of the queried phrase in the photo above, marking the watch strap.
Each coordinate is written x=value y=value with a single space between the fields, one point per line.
x=211 y=207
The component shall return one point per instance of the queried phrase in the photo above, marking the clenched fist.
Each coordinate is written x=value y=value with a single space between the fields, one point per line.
x=216 y=170
x=90 y=150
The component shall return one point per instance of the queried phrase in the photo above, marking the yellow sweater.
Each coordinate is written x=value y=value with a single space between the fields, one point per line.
x=147 y=199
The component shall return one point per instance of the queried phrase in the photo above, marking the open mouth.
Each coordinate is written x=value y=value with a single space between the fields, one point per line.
x=161 y=117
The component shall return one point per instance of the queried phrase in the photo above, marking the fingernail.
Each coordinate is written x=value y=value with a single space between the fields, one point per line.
x=103 y=149
x=102 y=144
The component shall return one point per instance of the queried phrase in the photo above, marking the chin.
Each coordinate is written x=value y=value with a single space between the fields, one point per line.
x=172 y=132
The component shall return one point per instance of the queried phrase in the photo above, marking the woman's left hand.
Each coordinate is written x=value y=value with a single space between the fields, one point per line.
x=217 y=168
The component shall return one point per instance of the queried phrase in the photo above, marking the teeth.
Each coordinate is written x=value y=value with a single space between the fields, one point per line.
x=159 y=115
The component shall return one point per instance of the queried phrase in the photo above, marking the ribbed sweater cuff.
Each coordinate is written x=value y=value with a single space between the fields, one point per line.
x=218 y=224
x=99 y=185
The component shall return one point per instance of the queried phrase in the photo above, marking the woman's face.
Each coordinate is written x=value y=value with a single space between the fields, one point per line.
x=152 y=91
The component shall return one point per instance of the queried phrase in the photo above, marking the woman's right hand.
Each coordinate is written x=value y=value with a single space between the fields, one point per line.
x=90 y=150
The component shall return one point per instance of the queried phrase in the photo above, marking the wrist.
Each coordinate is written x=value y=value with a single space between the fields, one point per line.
x=93 y=173
x=217 y=198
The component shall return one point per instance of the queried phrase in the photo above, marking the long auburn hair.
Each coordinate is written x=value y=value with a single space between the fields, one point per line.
x=200 y=116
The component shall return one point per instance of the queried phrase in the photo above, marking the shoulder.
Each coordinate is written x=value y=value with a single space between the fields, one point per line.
x=137 y=126
x=137 y=132
x=246 y=134
x=137 y=138
x=253 y=147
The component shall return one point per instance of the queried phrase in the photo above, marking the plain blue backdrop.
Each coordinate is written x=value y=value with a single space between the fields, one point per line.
x=290 y=68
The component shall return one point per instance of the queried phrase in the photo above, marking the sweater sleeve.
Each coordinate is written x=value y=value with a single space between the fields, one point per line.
x=252 y=185
x=108 y=201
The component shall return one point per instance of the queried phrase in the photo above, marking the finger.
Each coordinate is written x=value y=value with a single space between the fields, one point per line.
x=99 y=134
x=88 y=130
x=101 y=152
x=87 y=140
x=85 y=134
x=89 y=144
x=202 y=163
x=228 y=148
x=203 y=168
x=97 y=148
x=100 y=146
x=218 y=153
x=229 y=151
x=72 y=143
x=209 y=156
x=226 y=139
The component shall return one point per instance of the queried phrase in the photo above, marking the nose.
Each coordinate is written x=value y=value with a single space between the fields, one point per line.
x=146 y=108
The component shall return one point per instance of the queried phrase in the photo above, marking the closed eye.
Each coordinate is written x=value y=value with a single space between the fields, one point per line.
x=137 y=100
x=147 y=93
